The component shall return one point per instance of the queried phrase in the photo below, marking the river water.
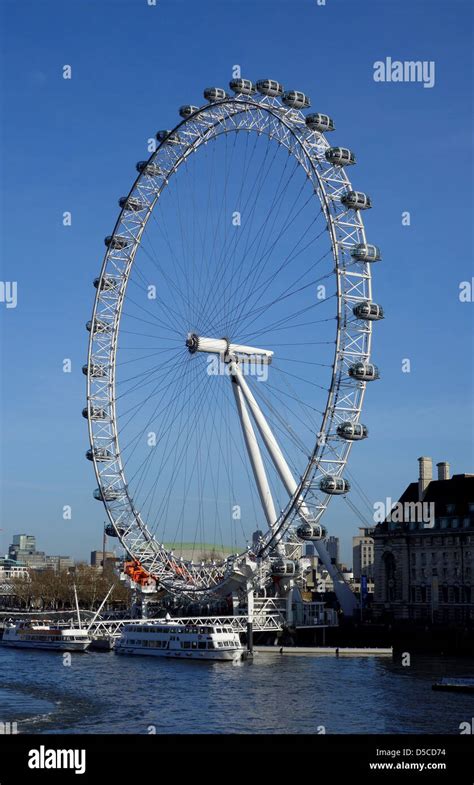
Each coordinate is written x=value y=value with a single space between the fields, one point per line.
x=104 y=693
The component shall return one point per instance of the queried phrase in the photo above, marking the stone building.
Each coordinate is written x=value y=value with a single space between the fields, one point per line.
x=424 y=550
x=363 y=553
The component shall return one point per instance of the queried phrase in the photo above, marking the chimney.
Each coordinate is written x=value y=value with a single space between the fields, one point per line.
x=443 y=470
x=425 y=476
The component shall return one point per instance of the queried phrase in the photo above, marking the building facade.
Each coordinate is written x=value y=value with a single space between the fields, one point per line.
x=23 y=551
x=363 y=553
x=332 y=545
x=424 y=550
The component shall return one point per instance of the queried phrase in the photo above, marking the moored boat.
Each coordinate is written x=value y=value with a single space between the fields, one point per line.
x=164 y=638
x=45 y=635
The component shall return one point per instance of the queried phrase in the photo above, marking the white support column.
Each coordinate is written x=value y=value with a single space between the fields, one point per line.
x=289 y=605
x=255 y=456
x=250 y=612
x=270 y=442
x=343 y=592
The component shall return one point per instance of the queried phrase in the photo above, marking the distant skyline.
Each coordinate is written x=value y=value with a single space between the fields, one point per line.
x=71 y=146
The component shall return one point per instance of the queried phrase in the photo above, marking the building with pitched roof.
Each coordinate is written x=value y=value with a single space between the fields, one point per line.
x=424 y=550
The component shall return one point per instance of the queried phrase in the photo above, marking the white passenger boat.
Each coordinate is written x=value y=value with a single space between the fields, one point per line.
x=171 y=639
x=45 y=635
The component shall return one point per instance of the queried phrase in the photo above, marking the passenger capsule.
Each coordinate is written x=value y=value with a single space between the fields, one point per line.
x=117 y=241
x=296 y=99
x=187 y=110
x=283 y=568
x=96 y=413
x=243 y=86
x=150 y=169
x=100 y=454
x=311 y=531
x=364 y=252
x=352 y=431
x=96 y=371
x=108 y=495
x=369 y=312
x=107 y=283
x=114 y=531
x=99 y=326
x=214 y=94
x=270 y=87
x=168 y=137
x=320 y=122
x=131 y=204
x=340 y=156
x=334 y=485
x=364 y=372
x=356 y=200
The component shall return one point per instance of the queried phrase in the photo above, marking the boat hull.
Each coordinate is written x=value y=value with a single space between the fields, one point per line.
x=49 y=645
x=222 y=656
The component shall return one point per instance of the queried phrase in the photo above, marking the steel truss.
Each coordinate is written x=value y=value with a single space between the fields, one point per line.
x=286 y=127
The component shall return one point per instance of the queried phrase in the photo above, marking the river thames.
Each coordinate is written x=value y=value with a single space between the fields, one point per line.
x=103 y=693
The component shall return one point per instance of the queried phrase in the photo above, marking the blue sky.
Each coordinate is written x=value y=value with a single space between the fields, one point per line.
x=72 y=145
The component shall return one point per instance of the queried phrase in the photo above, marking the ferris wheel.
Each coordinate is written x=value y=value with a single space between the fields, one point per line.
x=230 y=342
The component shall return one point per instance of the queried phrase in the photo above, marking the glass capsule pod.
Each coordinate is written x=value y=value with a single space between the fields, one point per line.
x=352 y=431
x=114 y=531
x=107 y=283
x=96 y=371
x=100 y=454
x=99 y=326
x=310 y=531
x=150 y=169
x=96 y=413
x=356 y=200
x=340 y=156
x=296 y=99
x=334 y=485
x=320 y=122
x=108 y=495
x=369 y=312
x=187 y=110
x=243 y=86
x=214 y=94
x=131 y=204
x=365 y=252
x=117 y=241
x=364 y=372
x=167 y=136
x=269 y=87
x=283 y=568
